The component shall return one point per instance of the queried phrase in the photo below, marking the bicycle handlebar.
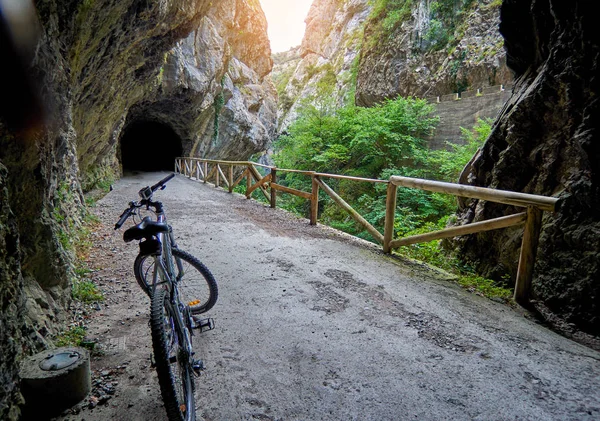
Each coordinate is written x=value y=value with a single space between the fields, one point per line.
x=146 y=200
x=126 y=214
x=162 y=182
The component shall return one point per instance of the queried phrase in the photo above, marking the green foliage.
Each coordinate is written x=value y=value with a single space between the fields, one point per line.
x=282 y=79
x=447 y=164
x=72 y=337
x=485 y=287
x=379 y=142
x=86 y=291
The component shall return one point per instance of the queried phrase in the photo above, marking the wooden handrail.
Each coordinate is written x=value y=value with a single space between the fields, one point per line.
x=535 y=205
x=484 y=193
x=491 y=224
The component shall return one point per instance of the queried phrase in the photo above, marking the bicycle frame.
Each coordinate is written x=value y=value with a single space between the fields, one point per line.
x=163 y=269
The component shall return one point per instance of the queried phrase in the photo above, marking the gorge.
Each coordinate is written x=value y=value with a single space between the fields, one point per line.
x=108 y=73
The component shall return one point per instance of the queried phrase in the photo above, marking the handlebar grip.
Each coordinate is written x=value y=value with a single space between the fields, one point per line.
x=162 y=182
x=123 y=218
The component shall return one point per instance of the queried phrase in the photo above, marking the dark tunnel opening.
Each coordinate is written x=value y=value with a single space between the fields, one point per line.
x=149 y=146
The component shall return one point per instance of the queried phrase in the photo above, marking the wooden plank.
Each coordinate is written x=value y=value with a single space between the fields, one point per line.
x=248 y=181
x=290 y=190
x=258 y=176
x=223 y=175
x=531 y=236
x=218 y=161
x=390 y=216
x=314 y=201
x=493 y=195
x=296 y=171
x=357 y=217
x=259 y=165
x=492 y=224
x=199 y=170
x=210 y=173
x=178 y=165
x=240 y=178
x=261 y=182
x=187 y=168
x=348 y=177
x=273 y=191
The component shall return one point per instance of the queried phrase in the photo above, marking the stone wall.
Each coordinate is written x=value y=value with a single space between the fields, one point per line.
x=463 y=110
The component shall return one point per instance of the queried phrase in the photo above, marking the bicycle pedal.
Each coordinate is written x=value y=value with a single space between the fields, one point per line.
x=203 y=324
x=198 y=367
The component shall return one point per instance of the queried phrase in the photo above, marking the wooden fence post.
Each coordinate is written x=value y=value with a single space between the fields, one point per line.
x=273 y=191
x=217 y=175
x=531 y=236
x=205 y=171
x=231 y=178
x=248 y=182
x=390 y=216
x=314 y=201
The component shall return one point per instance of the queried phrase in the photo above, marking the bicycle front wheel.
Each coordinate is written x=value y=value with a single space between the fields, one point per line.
x=173 y=363
x=196 y=285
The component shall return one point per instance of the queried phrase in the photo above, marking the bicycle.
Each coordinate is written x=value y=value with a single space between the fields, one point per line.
x=180 y=287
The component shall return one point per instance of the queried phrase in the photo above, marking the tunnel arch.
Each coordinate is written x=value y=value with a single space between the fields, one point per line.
x=149 y=145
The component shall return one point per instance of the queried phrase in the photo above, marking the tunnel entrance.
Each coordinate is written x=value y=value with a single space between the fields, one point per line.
x=149 y=146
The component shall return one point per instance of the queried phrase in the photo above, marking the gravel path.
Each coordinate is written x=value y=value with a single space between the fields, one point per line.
x=312 y=324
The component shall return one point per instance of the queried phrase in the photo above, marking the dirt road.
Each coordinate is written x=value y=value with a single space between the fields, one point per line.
x=314 y=325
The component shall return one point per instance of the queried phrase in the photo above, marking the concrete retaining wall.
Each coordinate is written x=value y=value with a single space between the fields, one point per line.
x=463 y=110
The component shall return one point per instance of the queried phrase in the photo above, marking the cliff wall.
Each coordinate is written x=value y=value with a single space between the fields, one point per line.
x=545 y=141
x=92 y=68
x=415 y=49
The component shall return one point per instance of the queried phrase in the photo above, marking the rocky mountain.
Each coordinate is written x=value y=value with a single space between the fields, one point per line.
x=430 y=51
x=83 y=72
x=326 y=67
x=366 y=51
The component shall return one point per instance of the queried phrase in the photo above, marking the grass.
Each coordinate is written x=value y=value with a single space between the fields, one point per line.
x=72 y=337
x=86 y=291
x=432 y=253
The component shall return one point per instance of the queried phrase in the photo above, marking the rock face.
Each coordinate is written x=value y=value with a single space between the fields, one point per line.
x=196 y=67
x=545 y=141
x=351 y=53
x=329 y=58
x=12 y=322
x=220 y=103
x=402 y=58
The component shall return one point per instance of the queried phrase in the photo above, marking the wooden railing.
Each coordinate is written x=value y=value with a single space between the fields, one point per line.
x=207 y=170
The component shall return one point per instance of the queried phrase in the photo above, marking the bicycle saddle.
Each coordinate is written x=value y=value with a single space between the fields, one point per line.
x=145 y=229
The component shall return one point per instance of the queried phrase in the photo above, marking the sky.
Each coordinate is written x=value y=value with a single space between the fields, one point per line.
x=285 y=19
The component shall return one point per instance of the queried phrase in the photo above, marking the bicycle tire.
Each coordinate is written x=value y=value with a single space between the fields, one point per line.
x=177 y=389
x=197 y=285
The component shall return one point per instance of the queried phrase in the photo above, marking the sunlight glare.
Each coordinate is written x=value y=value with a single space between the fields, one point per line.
x=285 y=19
